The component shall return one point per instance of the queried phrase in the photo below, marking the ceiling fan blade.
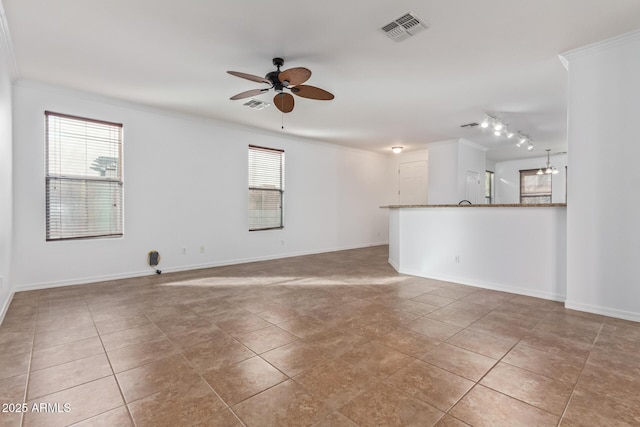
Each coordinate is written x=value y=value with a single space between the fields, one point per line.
x=247 y=94
x=295 y=76
x=284 y=102
x=249 y=77
x=312 y=92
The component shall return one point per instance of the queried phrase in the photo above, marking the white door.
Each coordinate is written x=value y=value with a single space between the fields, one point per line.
x=473 y=187
x=413 y=183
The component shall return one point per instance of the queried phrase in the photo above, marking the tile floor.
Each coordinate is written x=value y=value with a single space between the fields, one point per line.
x=337 y=339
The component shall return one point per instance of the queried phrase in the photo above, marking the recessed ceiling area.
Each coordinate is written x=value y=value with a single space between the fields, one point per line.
x=498 y=57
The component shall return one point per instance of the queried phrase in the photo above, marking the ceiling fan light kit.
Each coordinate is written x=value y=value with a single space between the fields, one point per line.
x=291 y=79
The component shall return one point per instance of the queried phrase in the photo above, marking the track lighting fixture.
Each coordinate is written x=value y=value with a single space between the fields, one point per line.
x=499 y=128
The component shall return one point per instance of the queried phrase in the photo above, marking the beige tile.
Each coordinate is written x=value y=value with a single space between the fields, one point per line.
x=591 y=408
x=145 y=380
x=534 y=389
x=434 y=300
x=336 y=382
x=433 y=328
x=484 y=407
x=12 y=390
x=66 y=375
x=334 y=342
x=46 y=339
x=243 y=324
x=502 y=329
x=336 y=419
x=12 y=343
x=64 y=353
x=177 y=406
x=377 y=359
x=223 y=418
x=14 y=364
x=244 y=379
x=85 y=401
x=266 y=339
x=416 y=307
x=330 y=314
x=562 y=367
x=276 y=313
x=459 y=313
x=295 y=358
x=459 y=361
x=449 y=421
x=127 y=337
x=367 y=328
x=383 y=405
x=215 y=354
x=409 y=342
x=115 y=417
x=555 y=344
x=140 y=354
x=486 y=345
x=431 y=384
x=286 y=404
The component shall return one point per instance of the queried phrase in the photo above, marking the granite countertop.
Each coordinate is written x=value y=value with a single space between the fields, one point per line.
x=504 y=205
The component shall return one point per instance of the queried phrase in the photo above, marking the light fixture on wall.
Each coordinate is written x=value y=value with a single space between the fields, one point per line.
x=499 y=128
x=549 y=169
x=397 y=149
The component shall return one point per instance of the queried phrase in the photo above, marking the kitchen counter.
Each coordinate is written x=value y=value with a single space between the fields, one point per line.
x=503 y=205
x=519 y=250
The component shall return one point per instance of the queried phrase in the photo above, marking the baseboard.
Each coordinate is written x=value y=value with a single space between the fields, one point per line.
x=605 y=311
x=5 y=307
x=496 y=287
x=394 y=265
x=176 y=269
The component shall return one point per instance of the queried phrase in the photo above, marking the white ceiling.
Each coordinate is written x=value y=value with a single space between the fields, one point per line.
x=495 y=56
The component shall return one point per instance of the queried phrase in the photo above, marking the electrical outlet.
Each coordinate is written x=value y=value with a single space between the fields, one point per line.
x=1 y=282
x=457 y=259
x=282 y=242
x=201 y=249
x=184 y=251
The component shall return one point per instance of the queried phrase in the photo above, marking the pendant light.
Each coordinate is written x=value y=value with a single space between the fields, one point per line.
x=549 y=169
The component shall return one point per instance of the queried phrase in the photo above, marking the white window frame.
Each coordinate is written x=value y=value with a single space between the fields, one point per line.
x=266 y=188
x=83 y=200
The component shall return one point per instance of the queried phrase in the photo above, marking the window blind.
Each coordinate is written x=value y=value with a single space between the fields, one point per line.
x=83 y=177
x=534 y=188
x=266 y=188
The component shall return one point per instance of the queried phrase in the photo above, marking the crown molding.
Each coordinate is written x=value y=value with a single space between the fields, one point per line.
x=590 y=49
x=6 y=47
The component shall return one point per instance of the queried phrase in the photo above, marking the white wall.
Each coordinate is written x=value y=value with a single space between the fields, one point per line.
x=471 y=159
x=507 y=178
x=6 y=175
x=603 y=203
x=449 y=162
x=519 y=249
x=185 y=186
x=443 y=173
x=407 y=157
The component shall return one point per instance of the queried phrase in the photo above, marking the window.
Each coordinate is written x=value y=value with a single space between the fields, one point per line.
x=266 y=188
x=488 y=187
x=83 y=177
x=534 y=188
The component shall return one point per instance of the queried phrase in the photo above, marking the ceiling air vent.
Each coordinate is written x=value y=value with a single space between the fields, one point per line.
x=404 y=27
x=256 y=105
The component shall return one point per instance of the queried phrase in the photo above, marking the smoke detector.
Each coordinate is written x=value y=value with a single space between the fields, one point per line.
x=257 y=105
x=406 y=26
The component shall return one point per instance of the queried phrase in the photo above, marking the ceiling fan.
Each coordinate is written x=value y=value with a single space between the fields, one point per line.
x=290 y=79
